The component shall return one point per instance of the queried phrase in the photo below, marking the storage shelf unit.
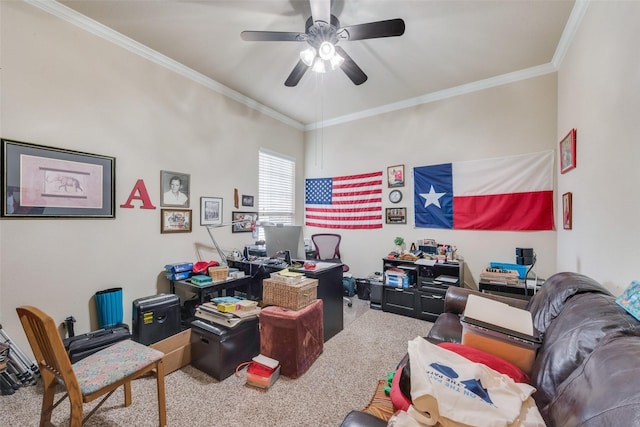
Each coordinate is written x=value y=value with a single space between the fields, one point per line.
x=424 y=299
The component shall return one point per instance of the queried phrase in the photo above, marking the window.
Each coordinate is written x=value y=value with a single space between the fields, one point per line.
x=276 y=188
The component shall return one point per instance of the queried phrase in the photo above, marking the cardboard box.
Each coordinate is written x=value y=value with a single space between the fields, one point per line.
x=177 y=350
x=501 y=330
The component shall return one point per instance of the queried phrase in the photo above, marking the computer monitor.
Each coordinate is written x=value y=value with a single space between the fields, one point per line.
x=280 y=238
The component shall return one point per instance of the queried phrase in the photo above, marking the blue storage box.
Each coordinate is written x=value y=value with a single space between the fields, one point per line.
x=178 y=276
x=521 y=269
x=179 y=267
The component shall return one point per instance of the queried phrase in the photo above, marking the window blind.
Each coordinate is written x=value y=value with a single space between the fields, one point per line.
x=276 y=188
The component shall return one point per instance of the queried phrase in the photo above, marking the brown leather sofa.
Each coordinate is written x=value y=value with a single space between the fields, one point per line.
x=586 y=370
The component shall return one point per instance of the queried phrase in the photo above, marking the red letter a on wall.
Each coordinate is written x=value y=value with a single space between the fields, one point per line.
x=142 y=195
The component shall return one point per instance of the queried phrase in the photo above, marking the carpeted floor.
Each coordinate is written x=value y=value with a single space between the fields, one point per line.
x=343 y=378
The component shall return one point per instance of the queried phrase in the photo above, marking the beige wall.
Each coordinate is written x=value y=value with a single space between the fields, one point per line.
x=63 y=87
x=507 y=120
x=598 y=94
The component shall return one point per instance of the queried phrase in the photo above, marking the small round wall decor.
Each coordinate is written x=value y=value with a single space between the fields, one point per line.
x=395 y=196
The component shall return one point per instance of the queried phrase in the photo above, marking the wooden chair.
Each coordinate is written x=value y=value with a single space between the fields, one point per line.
x=97 y=375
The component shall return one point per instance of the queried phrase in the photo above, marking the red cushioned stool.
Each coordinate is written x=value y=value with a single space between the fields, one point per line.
x=295 y=338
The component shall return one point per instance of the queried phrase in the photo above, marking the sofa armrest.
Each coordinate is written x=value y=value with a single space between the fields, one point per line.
x=456 y=299
x=362 y=419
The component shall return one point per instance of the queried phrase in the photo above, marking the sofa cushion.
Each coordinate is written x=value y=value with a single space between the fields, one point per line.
x=604 y=390
x=549 y=301
x=585 y=320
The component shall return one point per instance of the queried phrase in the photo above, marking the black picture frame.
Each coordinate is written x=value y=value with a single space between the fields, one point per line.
x=182 y=198
x=243 y=222
x=395 y=176
x=395 y=215
x=40 y=181
x=247 y=200
x=210 y=210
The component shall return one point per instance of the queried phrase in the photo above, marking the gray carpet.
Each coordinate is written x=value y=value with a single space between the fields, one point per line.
x=343 y=378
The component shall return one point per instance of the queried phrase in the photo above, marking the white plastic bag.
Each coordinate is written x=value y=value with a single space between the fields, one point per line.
x=449 y=389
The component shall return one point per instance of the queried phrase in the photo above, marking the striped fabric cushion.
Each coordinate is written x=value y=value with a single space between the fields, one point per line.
x=380 y=405
x=112 y=364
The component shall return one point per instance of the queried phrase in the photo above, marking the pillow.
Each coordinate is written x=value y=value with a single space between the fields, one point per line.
x=494 y=362
x=399 y=400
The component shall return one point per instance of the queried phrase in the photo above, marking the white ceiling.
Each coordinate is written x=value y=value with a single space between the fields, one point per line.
x=448 y=46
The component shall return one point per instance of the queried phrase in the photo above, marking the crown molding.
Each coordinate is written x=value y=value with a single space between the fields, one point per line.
x=570 y=29
x=71 y=16
x=96 y=28
x=464 y=89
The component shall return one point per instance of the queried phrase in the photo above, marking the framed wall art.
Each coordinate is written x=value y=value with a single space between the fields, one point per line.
x=568 y=152
x=210 y=210
x=396 y=215
x=243 y=222
x=395 y=176
x=174 y=188
x=175 y=220
x=247 y=200
x=47 y=182
x=567 y=211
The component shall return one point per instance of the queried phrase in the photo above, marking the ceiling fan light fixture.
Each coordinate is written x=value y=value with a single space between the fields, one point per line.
x=326 y=50
x=308 y=55
x=336 y=61
x=318 y=66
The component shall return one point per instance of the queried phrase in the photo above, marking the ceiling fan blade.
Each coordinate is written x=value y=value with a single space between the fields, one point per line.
x=272 y=36
x=373 y=30
x=350 y=68
x=296 y=74
x=321 y=10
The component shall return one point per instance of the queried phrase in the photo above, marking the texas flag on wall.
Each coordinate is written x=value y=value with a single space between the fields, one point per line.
x=506 y=193
x=348 y=202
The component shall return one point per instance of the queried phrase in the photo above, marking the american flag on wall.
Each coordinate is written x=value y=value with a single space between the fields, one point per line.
x=349 y=202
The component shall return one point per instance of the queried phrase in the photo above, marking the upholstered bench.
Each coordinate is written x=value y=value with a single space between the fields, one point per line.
x=295 y=338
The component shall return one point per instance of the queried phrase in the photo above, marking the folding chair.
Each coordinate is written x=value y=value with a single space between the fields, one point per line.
x=97 y=375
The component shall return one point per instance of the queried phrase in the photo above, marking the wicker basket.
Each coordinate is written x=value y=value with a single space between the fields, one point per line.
x=219 y=273
x=293 y=297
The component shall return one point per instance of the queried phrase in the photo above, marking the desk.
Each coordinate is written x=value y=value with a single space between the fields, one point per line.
x=206 y=291
x=330 y=291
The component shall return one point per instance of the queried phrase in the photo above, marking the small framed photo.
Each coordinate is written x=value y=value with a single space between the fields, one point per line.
x=174 y=188
x=210 y=210
x=247 y=200
x=567 y=211
x=568 y=152
x=47 y=182
x=175 y=221
x=395 y=176
x=396 y=215
x=243 y=222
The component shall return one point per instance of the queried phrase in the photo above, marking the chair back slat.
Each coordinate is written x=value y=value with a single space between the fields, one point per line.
x=46 y=344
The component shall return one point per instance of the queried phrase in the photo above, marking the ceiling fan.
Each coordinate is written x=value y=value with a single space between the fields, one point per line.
x=323 y=33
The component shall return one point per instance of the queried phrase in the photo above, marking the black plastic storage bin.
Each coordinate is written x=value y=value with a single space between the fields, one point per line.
x=218 y=350
x=376 y=295
x=155 y=318
x=363 y=287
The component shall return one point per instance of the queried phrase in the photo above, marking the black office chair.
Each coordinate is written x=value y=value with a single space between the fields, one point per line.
x=328 y=249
